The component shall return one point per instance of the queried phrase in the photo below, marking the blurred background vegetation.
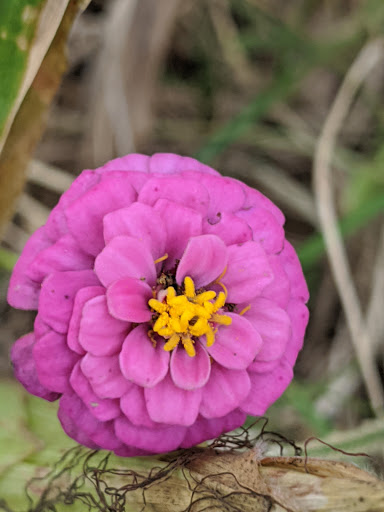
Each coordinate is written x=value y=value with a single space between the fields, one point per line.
x=245 y=86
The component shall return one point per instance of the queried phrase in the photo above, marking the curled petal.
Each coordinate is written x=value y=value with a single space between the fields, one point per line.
x=128 y=163
x=104 y=375
x=134 y=407
x=266 y=388
x=298 y=312
x=279 y=289
x=225 y=194
x=102 y=410
x=224 y=392
x=79 y=424
x=138 y=221
x=186 y=192
x=254 y=198
x=204 y=429
x=248 y=272
x=169 y=404
x=85 y=215
x=265 y=228
x=204 y=260
x=82 y=296
x=25 y=368
x=140 y=361
x=128 y=300
x=181 y=223
x=229 y=228
x=57 y=296
x=56 y=225
x=23 y=292
x=291 y=264
x=100 y=333
x=190 y=372
x=169 y=163
x=236 y=345
x=54 y=361
x=125 y=256
x=154 y=440
x=274 y=326
x=65 y=254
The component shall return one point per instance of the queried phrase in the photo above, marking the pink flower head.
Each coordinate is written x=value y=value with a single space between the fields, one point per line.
x=169 y=305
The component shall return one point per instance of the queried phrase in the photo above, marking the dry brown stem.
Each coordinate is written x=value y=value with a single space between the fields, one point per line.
x=367 y=59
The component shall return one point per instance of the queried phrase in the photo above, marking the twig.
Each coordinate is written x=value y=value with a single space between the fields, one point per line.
x=364 y=63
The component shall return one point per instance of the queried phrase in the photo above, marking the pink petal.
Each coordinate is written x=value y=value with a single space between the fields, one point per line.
x=236 y=345
x=229 y=228
x=205 y=429
x=125 y=257
x=165 y=163
x=224 y=392
x=102 y=410
x=204 y=260
x=133 y=406
x=263 y=366
x=191 y=164
x=248 y=272
x=291 y=264
x=266 y=229
x=169 y=404
x=181 y=223
x=132 y=162
x=190 y=372
x=56 y=225
x=169 y=163
x=79 y=424
x=299 y=315
x=138 y=221
x=25 y=368
x=23 y=292
x=99 y=332
x=225 y=194
x=40 y=327
x=85 y=215
x=153 y=440
x=57 y=296
x=140 y=361
x=54 y=361
x=63 y=255
x=104 y=375
x=274 y=326
x=71 y=408
x=278 y=290
x=188 y=192
x=82 y=296
x=254 y=198
x=128 y=300
x=266 y=388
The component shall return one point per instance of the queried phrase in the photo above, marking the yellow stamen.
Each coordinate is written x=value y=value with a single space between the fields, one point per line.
x=222 y=319
x=189 y=287
x=217 y=281
x=224 y=288
x=184 y=317
x=157 y=306
x=162 y=258
x=172 y=342
x=188 y=345
x=247 y=308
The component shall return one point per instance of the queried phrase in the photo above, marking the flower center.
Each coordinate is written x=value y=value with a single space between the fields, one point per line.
x=181 y=318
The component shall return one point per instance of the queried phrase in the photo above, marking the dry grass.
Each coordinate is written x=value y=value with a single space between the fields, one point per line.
x=248 y=86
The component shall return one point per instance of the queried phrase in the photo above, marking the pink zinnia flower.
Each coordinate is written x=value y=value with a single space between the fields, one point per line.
x=169 y=305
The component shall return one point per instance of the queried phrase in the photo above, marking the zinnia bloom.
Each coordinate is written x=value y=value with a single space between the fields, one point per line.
x=169 y=305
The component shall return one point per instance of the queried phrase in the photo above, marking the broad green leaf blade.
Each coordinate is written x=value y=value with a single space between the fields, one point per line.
x=33 y=35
